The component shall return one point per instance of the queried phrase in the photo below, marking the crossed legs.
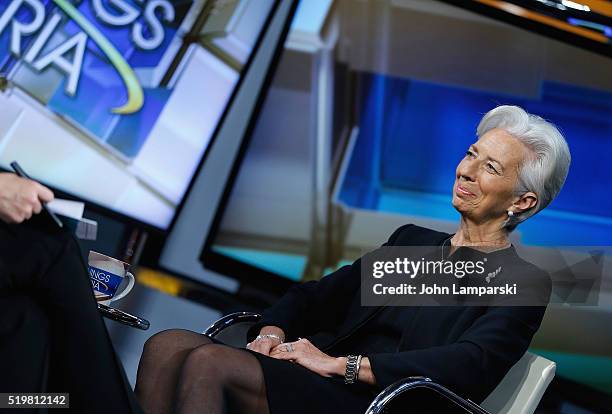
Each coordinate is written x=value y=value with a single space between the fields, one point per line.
x=184 y=372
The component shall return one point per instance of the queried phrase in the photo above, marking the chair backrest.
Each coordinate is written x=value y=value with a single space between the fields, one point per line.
x=523 y=386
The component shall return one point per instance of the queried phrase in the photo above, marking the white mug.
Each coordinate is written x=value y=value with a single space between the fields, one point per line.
x=106 y=274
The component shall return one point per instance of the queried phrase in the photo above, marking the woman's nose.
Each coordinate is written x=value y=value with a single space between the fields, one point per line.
x=468 y=170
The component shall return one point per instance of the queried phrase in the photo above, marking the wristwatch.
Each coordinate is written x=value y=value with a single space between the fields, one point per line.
x=351 y=374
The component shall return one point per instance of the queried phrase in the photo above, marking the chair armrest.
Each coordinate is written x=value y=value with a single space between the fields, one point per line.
x=123 y=317
x=394 y=390
x=229 y=320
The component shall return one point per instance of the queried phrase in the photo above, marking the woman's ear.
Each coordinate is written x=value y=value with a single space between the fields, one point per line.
x=525 y=202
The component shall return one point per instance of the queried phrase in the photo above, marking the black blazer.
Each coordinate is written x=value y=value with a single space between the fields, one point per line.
x=467 y=349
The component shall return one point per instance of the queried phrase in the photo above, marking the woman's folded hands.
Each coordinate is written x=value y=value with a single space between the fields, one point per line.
x=304 y=353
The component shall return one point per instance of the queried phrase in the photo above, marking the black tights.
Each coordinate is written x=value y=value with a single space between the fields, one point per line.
x=184 y=372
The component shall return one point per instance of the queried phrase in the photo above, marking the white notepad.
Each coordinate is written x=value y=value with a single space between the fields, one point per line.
x=67 y=208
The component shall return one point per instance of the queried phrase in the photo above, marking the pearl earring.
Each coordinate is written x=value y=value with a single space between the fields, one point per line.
x=510 y=213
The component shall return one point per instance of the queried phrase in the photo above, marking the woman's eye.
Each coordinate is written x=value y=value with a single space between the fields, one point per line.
x=491 y=168
x=469 y=153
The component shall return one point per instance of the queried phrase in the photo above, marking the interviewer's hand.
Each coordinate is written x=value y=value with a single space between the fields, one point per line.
x=20 y=198
x=303 y=352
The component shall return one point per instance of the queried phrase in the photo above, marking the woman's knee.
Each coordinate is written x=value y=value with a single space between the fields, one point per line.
x=167 y=342
x=209 y=360
x=164 y=341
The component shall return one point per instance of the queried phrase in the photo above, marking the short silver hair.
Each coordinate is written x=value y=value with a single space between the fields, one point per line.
x=544 y=173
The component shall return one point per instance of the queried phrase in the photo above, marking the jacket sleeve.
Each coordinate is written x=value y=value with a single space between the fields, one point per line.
x=474 y=364
x=312 y=307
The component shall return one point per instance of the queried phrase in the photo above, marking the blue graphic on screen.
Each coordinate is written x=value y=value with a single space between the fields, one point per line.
x=100 y=87
x=23 y=14
x=413 y=134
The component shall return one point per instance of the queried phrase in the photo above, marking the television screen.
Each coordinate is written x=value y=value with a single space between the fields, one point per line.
x=117 y=102
x=313 y=193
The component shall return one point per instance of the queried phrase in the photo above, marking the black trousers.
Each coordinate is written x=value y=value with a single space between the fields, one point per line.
x=52 y=337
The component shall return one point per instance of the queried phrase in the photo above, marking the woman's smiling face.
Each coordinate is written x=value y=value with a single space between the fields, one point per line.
x=486 y=178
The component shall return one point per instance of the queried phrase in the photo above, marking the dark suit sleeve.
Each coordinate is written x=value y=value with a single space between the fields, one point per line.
x=474 y=365
x=316 y=306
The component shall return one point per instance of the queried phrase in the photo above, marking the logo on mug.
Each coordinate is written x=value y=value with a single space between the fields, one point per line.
x=104 y=283
x=107 y=274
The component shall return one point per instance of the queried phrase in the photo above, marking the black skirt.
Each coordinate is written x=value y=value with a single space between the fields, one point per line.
x=294 y=389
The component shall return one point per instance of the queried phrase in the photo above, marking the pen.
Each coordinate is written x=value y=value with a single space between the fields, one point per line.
x=20 y=172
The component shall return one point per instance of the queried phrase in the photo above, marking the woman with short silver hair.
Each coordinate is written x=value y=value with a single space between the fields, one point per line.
x=319 y=350
x=545 y=169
